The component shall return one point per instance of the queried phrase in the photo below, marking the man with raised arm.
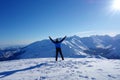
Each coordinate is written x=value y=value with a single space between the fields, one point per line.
x=58 y=46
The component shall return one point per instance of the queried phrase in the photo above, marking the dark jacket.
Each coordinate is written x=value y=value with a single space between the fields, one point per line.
x=57 y=42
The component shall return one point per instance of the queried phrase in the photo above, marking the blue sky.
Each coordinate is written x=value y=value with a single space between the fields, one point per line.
x=26 y=21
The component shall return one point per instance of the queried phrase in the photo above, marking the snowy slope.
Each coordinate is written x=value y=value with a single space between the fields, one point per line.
x=71 y=47
x=75 y=46
x=69 y=69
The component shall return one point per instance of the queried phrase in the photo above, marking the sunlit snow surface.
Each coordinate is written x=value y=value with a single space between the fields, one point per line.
x=69 y=69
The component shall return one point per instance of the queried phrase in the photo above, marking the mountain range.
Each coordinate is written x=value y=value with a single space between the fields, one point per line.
x=98 y=46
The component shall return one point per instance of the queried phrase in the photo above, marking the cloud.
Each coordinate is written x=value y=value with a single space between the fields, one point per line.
x=89 y=33
x=85 y=33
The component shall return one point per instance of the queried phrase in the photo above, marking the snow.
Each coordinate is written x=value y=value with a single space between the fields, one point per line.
x=69 y=69
x=38 y=62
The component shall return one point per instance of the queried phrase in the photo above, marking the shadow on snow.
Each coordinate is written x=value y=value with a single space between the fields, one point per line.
x=8 y=73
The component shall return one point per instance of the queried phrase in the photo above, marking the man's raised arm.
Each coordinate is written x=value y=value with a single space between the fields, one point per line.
x=63 y=39
x=51 y=39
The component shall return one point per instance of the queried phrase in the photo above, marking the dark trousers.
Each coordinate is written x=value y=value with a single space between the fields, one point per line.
x=58 y=50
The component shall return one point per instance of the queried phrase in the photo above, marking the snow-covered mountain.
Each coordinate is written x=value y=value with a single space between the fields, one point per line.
x=75 y=46
x=45 y=68
x=10 y=53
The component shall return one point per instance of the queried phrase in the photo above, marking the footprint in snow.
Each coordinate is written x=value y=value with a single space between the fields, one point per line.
x=93 y=78
x=111 y=76
x=99 y=69
x=90 y=66
x=76 y=67
x=78 y=72
x=42 y=78
x=83 y=76
x=117 y=68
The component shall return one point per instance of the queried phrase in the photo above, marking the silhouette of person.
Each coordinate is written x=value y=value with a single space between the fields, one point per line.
x=58 y=46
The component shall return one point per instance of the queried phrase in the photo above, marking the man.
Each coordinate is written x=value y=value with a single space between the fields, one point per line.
x=58 y=46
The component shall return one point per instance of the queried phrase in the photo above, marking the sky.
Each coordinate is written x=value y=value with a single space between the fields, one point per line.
x=27 y=21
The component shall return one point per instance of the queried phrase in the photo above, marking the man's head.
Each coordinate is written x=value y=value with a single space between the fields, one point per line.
x=57 y=40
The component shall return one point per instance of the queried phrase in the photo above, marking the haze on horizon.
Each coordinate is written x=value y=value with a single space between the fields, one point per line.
x=26 y=21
